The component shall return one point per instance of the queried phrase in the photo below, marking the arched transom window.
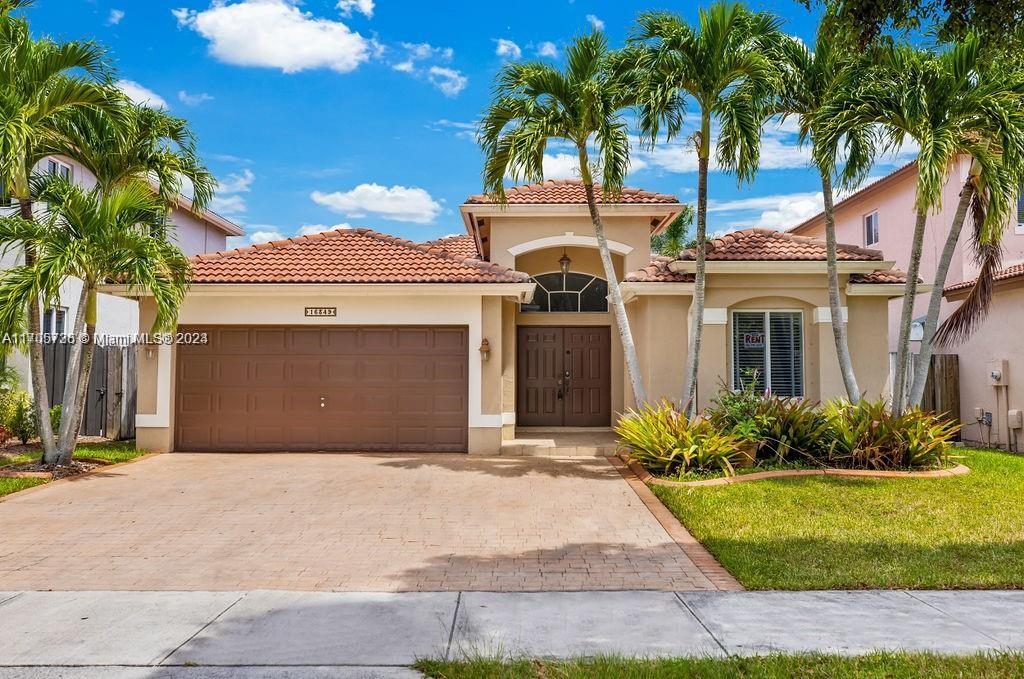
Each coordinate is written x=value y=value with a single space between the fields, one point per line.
x=568 y=292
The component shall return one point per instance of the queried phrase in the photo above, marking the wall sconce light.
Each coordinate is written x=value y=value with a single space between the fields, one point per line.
x=149 y=350
x=485 y=349
x=564 y=262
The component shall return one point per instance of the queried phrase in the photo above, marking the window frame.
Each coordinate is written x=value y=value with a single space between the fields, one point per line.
x=50 y=314
x=59 y=167
x=593 y=277
x=1019 y=224
x=877 y=228
x=767 y=347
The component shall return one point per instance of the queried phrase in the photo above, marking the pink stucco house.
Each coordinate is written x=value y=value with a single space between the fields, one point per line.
x=881 y=216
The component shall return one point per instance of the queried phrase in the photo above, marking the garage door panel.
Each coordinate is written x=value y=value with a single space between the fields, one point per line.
x=383 y=389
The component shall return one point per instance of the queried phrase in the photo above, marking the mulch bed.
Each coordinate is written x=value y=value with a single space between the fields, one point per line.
x=14 y=448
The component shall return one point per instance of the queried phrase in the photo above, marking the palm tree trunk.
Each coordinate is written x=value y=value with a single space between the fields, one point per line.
x=696 y=330
x=614 y=294
x=71 y=422
x=37 y=366
x=899 y=387
x=73 y=379
x=835 y=308
x=931 y=322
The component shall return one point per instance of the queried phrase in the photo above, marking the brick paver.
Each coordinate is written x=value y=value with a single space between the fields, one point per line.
x=344 y=522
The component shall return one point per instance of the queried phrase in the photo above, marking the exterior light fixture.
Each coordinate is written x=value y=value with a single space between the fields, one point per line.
x=485 y=349
x=564 y=262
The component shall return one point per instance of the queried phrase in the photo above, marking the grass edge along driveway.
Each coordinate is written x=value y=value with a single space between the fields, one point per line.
x=817 y=532
x=111 y=451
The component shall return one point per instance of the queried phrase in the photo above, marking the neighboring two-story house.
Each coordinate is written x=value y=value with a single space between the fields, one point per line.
x=881 y=215
x=356 y=340
x=194 y=231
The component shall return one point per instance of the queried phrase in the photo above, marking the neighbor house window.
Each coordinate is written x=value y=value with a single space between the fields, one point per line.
x=767 y=350
x=60 y=169
x=1020 y=211
x=568 y=292
x=871 y=228
x=53 y=320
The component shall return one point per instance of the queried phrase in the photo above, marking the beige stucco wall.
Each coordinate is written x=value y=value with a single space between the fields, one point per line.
x=998 y=338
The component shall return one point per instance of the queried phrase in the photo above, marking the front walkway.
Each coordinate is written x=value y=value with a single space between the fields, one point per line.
x=332 y=634
x=323 y=522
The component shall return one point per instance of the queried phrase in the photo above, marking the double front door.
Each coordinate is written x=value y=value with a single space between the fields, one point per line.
x=563 y=376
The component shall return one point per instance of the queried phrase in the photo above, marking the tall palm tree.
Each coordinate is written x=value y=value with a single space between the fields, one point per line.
x=951 y=104
x=535 y=103
x=40 y=80
x=725 y=66
x=96 y=236
x=809 y=81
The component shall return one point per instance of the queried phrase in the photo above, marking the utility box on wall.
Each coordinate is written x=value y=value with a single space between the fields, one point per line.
x=997 y=373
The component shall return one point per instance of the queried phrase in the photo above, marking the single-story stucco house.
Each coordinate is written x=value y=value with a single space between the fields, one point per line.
x=356 y=340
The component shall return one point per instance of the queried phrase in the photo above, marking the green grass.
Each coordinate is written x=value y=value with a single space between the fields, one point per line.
x=888 y=665
x=8 y=486
x=841 y=533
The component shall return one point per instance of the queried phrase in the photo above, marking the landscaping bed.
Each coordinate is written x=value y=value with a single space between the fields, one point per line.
x=767 y=667
x=20 y=467
x=828 y=532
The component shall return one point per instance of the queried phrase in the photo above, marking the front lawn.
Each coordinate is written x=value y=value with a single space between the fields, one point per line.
x=8 y=486
x=888 y=665
x=843 y=533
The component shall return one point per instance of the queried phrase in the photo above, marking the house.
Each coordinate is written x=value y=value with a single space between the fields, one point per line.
x=881 y=215
x=357 y=340
x=195 y=231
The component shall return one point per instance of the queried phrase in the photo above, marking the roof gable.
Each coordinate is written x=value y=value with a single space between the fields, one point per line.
x=570 y=192
x=766 y=245
x=348 y=256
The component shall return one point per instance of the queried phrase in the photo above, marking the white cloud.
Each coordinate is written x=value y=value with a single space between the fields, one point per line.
x=595 y=22
x=115 y=16
x=309 y=229
x=779 y=211
x=547 y=49
x=405 y=66
x=448 y=80
x=193 y=99
x=276 y=34
x=398 y=203
x=362 y=6
x=507 y=49
x=561 y=166
x=237 y=182
x=459 y=129
x=228 y=205
x=141 y=95
x=421 y=51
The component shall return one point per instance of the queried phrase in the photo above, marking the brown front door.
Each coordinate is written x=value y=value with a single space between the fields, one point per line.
x=323 y=388
x=563 y=376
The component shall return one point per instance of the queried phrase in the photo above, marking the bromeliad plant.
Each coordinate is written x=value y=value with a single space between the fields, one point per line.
x=665 y=441
x=867 y=435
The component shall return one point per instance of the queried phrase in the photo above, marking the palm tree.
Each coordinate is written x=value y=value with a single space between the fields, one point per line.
x=673 y=239
x=724 y=66
x=951 y=104
x=40 y=80
x=535 y=103
x=96 y=236
x=809 y=81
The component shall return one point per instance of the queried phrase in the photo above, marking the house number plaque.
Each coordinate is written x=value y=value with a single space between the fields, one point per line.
x=322 y=311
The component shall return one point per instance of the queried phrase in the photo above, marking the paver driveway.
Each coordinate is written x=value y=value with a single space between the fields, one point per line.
x=344 y=522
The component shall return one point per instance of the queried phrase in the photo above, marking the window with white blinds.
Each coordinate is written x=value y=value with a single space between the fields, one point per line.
x=767 y=348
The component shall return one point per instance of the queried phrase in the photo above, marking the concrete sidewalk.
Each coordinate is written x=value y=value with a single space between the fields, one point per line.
x=88 y=635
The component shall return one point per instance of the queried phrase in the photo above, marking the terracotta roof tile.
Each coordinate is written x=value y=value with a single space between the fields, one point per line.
x=458 y=246
x=348 y=256
x=891 y=276
x=767 y=245
x=658 y=272
x=570 y=191
x=1012 y=271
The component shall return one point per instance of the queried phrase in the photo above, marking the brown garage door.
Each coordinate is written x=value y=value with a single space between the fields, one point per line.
x=323 y=388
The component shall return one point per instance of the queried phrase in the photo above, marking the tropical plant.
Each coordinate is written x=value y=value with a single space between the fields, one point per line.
x=95 y=236
x=40 y=81
x=24 y=422
x=867 y=435
x=674 y=239
x=725 y=66
x=810 y=79
x=535 y=103
x=951 y=104
x=666 y=442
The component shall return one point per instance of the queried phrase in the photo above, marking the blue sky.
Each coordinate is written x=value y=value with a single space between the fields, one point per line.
x=320 y=113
